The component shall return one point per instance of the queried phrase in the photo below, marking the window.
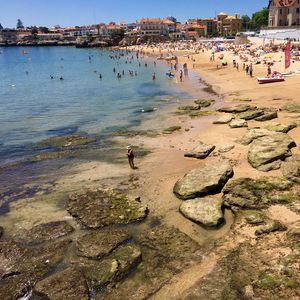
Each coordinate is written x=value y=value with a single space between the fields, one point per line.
x=297 y=10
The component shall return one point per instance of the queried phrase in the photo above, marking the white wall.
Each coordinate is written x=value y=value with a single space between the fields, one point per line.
x=280 y=34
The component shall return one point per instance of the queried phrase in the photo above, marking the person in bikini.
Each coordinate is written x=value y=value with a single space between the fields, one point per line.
x=130 y=156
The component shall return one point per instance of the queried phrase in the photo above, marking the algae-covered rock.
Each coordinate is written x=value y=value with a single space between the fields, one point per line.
x=172 y=129
x=206 y=211
x=122 y=261
x=223 y=120
x=46 y=232
x=291 y=168
x=270 y=226
x=269 y=150
x=238 y=123
x=68 y=284
x=252 y=217
x=250 y=114
x=236 y=109
x=100 y=208
x=203 y=181
x=268 y=115
x=284 y=128
x=53 y=155
x=226 y=148
x=247 y=193
x=294 y=234
x=292 y=108
x=201 y=151
x=204 y=103
x=98 y=244
x=189 y=107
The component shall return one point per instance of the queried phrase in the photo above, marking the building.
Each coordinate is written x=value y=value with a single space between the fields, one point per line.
x=211 y=26
x=229 y=25
x=284 y=13
x=155 y=27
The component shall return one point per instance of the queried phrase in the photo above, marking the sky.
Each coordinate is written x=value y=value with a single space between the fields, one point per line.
x=85 y=12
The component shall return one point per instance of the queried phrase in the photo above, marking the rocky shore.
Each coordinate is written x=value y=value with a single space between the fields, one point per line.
x=163 y=231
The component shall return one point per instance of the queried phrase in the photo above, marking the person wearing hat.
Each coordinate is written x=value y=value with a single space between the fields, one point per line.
x=130 y=156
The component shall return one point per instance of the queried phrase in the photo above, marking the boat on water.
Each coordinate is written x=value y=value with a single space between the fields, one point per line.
x=276 y=77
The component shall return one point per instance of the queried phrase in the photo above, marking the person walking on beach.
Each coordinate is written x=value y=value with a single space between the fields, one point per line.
x=269 y=71
x=181 y=75
x=251 y=70
x=247 y=69
x=130 y=156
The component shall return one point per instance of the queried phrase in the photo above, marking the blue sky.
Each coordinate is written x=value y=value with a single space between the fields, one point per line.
x=80 y=12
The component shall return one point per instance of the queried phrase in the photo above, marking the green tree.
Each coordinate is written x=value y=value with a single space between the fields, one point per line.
x=43 y=29
x=246 y=22
x=117 y=35
x=260 y=18
x=1 y=27
x=34 y=30
x=20 y=24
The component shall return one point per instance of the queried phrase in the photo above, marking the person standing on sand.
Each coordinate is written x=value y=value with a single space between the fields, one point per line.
x=130 y=156
x=251 y=70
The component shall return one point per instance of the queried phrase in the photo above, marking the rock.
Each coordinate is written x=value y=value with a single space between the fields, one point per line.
x=189 y=107
x=291 y=168
x=253 y=217
x=223 y=120
x=204 y=103
x=203 y=181
x=238 y=123
x=268 y=115
x=206 y=211
x=100 y=208
x=46 y=232
x=253 y=134
x=236 y=109
x=112 y=269
x=250 y=114
x=266 y=153
x=271 y=226
x=172 y=129
x=226 y=148
x=247 y=193
x=68 y=284
x=1 y=231
x=201 y=151
x=98 y=244
x=280 y=128
x=294 y=234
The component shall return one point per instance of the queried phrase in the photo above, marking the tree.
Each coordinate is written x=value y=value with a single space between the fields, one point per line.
x=1 y=27
x=34 y=30
x=20 y=24
x=43 y=29
x=260 y=18
x=246 y=22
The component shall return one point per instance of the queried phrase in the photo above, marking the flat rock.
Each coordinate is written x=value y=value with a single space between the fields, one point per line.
x=291 y=168
x=98 y=244
x=294 y=234
x=270 y=151
x=236 y=109
x=247 y=193
x=68 y=284
x=238 y=123
x=270 y=226
x=268 y=115
x=250 y=114
x=226 y=148
x=203 y=181
x=204 y=103
x=189 y=107
x=171 y=129
x=206 y=211
x=280 y=127
x=253 y=134
x=99 y=208
x=201 y=151
x=223 y=120
x=46 y=232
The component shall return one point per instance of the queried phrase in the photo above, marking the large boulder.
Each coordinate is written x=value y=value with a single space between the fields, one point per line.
x=236 y=109
x=68 y=284
x=253 y=134
x=250 y=114
x=46 y=232
x=206 y=211
x=99 y=208
x=203 y=181
x=201 y=151
x=98 y=244
x=267 y=153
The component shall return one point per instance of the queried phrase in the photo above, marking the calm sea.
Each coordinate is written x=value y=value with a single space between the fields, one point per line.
x=35 y=107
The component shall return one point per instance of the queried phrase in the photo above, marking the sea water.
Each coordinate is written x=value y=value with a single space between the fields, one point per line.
x=35 y=106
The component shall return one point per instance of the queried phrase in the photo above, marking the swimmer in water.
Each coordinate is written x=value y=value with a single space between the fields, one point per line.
x=61 y=78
